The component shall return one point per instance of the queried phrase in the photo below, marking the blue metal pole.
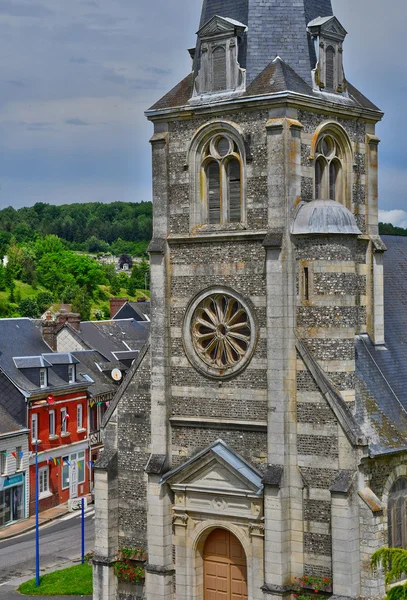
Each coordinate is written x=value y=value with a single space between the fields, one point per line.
x=37 y=533
x=83 y=530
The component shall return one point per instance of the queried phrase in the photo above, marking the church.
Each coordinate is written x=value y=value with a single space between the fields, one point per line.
x=258 y=445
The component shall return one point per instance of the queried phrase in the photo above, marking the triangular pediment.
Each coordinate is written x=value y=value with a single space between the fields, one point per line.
x=216 y=469
x=327 y=25
x=221 y=26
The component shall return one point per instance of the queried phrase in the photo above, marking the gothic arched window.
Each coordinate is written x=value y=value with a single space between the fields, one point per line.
x=329 y=170
x=221 y=169
x=397 y=514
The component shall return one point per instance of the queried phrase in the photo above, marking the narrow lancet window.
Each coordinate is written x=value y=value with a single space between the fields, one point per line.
x=397 y=522
x=234 y=190
x=213 y=186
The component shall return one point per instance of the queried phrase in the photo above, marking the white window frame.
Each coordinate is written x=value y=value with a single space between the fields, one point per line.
x=79 y=417
x=71 y=373
x=77 y=457
x=52 y=432
x=43 y=482
x=19 y=460
x=34 y=427
x=3 y=463
x=43 y=378
x=64 y=421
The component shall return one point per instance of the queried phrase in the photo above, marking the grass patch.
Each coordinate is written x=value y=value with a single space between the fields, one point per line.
x=73 y=581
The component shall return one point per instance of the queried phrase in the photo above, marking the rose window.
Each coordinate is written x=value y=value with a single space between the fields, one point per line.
x=221 y=331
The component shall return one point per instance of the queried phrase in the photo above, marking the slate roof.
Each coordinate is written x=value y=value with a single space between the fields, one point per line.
x=102 y=382
x=19 y=336
x=8 y=424
x=236 y=462
x=275 y=28
x=108 y=337
x=277 y=77
x=134 y=310
x=381 y=407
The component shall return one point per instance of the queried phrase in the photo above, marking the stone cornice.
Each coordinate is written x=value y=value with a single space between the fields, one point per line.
x=294 y=99
x=221 y=236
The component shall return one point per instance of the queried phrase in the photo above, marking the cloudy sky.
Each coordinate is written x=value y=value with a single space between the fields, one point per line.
x=77 y=75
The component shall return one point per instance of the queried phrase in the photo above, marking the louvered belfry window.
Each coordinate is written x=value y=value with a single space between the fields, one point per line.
x=213 y=179
x=330 y=68
x=219 y=69
x=233 y=171
x=222 y=172
x=397 y=514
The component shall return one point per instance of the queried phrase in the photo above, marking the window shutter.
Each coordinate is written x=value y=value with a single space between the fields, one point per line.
x=319 y=177
x=333 y=175
x=213 y=183
x=219 y=69
x=330 y=68
x=235 y=212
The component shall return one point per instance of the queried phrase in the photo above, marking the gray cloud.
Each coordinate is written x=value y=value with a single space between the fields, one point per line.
x=106 y=62
x=80 y=60
x=13 y=8
x=76 y=122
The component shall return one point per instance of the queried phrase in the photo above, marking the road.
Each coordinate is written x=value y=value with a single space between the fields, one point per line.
x=60 y=545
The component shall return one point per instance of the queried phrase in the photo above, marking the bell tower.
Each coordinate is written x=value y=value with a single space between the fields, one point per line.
x=265 y=264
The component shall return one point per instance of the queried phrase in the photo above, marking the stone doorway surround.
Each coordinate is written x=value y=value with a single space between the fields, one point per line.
x=215 y=489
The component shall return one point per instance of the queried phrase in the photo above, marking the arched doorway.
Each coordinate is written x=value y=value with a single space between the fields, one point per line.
x=225 y=568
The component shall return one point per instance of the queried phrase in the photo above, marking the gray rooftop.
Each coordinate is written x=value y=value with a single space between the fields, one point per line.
x=109 y=337
x=381 y=407
x=323 y=216
x=276 y=29
x=8 y=424
x=25 y=335
x=236 y=462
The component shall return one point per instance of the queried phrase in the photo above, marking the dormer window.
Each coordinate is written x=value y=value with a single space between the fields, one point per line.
x=43 y=378
x=328 y=35
x=218 y=69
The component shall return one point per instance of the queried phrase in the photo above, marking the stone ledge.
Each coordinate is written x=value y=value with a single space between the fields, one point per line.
x=212 y=423
x=159 y=570
x=278 y=590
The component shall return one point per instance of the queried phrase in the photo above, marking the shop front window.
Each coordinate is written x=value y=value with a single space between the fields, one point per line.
x=11 y=504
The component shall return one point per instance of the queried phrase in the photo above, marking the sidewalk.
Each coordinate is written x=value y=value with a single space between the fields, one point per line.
x=46 y=516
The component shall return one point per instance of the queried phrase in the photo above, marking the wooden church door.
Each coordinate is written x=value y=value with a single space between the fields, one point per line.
x=225 y=568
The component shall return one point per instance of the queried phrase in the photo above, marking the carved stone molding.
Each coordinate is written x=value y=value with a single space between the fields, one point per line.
x=180 y=520
x=256 y=529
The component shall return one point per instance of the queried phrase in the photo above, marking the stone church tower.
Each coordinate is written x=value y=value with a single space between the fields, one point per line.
x=241 y=451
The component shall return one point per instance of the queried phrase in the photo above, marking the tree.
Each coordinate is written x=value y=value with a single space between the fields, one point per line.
x=2 y=278
x=132 y=288
x=44 y=301
x=125 y=259
x=81 y=304
x=141 y=274
x=115 y=286
x=29 y=308
x=12 y=288
x=394 y=563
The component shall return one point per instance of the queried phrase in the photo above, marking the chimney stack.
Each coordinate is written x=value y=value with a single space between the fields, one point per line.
x=49 y=332
x=116 y=304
